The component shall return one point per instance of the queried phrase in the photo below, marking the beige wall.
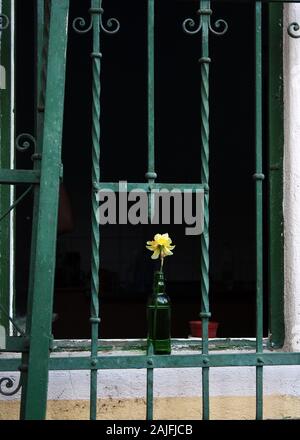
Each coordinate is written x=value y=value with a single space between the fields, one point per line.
x=234 y=408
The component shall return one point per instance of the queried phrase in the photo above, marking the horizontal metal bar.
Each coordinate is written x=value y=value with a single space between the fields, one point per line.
x=12 y=177
x=250 y=1
x=10 y=364
x=16 y=344
x=168 y=361
x=127 y=186
x=177 y=361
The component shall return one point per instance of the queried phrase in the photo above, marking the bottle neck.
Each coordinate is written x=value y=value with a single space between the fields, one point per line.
x=159 y=283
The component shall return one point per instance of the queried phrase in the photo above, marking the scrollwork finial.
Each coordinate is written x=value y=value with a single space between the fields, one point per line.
x=292 y=30
x=189 y=25
x=80 y=24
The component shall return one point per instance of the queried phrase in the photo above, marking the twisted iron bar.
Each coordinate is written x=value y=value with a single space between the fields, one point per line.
x=24 y=141
x=4 y=22
x=9 y=382
x=95 y=237
x=190 y=27
x=96 y=91
x=79 y=23
x=204 y=105
x=292 y=29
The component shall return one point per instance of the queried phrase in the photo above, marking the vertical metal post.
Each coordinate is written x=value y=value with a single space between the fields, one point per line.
x=35 y=400
x=205 y=12
x=150 y=175
x=149 y=391
x=258 y=176
x=190 y=27
x=150 y=29
x=42 y=40
x=95 y=239
x=5 y=138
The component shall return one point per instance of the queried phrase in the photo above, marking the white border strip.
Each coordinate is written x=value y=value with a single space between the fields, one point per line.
x=12 y=165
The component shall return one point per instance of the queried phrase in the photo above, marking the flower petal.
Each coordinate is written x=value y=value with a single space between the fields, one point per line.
x=167 y=252
x=155 y=254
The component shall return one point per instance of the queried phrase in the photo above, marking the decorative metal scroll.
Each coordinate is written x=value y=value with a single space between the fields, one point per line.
x=292 y=30
x=4 y=22
x=190 y=26
x=6 y=383
x=112 y=25
x=24 y=141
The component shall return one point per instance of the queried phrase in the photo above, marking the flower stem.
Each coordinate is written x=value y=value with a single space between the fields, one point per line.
x=161 y=263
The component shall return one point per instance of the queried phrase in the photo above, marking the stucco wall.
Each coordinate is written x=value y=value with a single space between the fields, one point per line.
x=177 y=393
x=291 y=200
x=175 y=408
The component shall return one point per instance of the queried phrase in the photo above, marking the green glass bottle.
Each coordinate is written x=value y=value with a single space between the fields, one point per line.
x=159 y=317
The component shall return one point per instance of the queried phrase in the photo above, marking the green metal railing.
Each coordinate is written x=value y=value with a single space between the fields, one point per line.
x=259 y=177
x=37 y=344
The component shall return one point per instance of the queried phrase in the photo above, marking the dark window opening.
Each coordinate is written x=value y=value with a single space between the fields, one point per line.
x=126 y=267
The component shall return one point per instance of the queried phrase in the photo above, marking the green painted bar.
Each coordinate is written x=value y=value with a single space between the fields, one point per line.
x=179 y=361
x=261 y=1
x=258 y=182
x=43 y=283
x=16 y=344
x=149 y=393
x=9 y=364
x=204 y=62
x=12 y=177
x=107 y=362
x=259 y=393
x=259 y=206
x=150 y=175
x=95 y=237
x=276 y=139
x=151 y=108
x=41 y=53
x=128 y=186
x=5 y=138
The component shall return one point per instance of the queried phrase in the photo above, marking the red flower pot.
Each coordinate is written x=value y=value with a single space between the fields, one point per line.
x=196 y=329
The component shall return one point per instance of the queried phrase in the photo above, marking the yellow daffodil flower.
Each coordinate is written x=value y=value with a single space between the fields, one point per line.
x=160 y=246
